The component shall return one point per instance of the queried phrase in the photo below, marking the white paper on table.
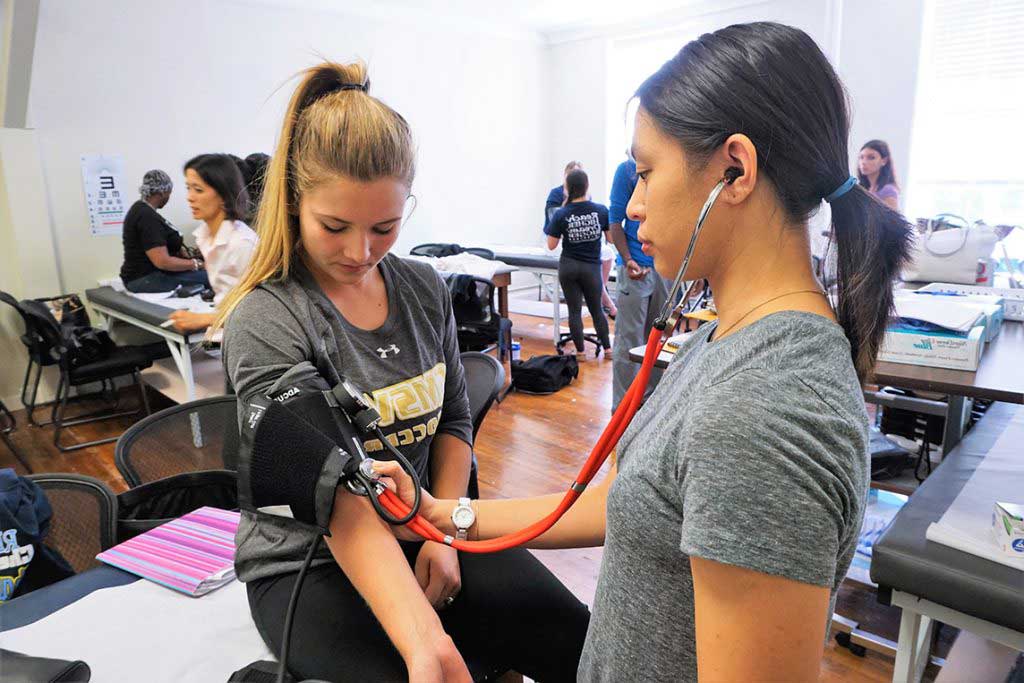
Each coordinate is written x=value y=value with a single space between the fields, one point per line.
x=938 y=311
x=168 y=300
x=146 y=632
x=467 y=264
x=967 y=523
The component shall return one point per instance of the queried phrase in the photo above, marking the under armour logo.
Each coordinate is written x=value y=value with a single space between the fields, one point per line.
x=391 y=349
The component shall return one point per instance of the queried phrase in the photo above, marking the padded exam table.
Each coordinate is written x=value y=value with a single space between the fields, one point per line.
x=933 y=582
x=149 y=316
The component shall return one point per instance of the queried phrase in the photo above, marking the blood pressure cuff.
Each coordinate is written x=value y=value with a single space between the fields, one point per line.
x=294 y=449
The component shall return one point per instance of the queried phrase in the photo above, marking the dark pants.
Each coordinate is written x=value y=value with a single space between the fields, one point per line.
x=582 y=281
x=512 y=613
x=166 y=281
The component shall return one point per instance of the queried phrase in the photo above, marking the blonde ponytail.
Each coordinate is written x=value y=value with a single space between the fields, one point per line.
x=333 y=129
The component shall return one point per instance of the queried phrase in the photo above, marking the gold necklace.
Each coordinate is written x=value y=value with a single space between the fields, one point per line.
x=768 y=301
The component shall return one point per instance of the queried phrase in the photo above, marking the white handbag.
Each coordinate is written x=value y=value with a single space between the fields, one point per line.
x=947 y=249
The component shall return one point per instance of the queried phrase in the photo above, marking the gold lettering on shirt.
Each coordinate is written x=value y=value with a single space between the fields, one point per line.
x=408 y=400
x=411 y=398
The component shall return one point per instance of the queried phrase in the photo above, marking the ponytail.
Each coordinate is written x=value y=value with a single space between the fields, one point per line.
x=773 y=83
x=332 y=129
x=872 y=246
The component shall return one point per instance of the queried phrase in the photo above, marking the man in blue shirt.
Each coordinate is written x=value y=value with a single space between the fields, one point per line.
x=641 y=291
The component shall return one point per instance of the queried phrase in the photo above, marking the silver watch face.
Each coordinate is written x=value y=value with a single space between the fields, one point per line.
x=463 y=517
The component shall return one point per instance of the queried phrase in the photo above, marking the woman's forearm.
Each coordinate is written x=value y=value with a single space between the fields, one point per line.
x=583 y=526
x=372 y=560
x=450 y=461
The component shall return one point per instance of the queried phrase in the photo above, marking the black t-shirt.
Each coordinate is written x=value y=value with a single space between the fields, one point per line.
x=580 y=225
x=144 y=229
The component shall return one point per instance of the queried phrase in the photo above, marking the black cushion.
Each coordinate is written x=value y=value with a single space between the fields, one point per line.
x=122 y=361
x=903 y=559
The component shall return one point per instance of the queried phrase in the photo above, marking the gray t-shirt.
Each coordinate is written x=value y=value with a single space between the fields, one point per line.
x=409 y=368
x=752 y=452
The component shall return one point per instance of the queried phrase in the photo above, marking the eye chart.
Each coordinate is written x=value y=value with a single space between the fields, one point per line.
x=105 y=198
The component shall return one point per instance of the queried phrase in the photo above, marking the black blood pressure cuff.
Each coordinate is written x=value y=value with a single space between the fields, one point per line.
x=295 y=446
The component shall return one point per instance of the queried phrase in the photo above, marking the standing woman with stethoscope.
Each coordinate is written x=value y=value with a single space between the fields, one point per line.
x=740 y=489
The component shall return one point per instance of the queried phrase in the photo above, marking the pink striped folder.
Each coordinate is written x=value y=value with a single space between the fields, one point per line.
x=194 y=554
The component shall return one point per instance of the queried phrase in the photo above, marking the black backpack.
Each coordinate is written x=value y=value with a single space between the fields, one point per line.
x=544 y=374
x=64 y=322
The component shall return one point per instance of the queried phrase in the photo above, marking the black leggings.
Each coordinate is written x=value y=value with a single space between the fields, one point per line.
x=579 y=281
x=511 y=613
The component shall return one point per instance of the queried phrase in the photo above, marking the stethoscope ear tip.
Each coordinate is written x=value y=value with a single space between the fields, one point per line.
x=731 y=174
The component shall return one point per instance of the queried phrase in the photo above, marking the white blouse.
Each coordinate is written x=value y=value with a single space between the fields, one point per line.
x=227 y=254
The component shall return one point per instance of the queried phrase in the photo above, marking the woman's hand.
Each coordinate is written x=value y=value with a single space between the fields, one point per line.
x=187 y=321
x=396 y=479
x=438 y=573
x=438 y=663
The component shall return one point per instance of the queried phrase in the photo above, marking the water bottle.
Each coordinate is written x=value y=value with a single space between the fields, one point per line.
x=516 y=347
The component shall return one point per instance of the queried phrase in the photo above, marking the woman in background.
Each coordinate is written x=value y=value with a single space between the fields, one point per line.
x=556 y=200
x=155 y=259
x=217 y=197
x=875 y=172
x=582 y=224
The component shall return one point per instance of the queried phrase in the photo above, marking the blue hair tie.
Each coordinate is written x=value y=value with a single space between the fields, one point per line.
x=842 y=189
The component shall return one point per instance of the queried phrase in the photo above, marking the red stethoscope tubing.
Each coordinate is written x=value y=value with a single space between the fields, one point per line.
x=599 y=453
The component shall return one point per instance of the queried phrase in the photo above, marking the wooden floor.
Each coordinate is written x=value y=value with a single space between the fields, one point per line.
x=528 y=445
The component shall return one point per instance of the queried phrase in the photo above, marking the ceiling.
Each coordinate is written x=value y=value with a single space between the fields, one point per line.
x=548 y=18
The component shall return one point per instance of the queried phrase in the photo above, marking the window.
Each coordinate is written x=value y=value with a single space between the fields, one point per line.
x=967 y=145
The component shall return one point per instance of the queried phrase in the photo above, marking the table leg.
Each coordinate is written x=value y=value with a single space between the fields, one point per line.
x=503 y=301
x=957 y=409
x=183 y=360
x=556 y=302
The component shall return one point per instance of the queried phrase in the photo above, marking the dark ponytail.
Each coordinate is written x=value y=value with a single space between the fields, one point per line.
x=576 y=184
x=773 y=84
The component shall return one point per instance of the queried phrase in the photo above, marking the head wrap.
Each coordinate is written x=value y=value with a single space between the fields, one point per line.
x=155 y=182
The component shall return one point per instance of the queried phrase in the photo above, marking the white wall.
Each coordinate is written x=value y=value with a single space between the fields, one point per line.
x=874 y=43
x=160 y=82
x=576 y=114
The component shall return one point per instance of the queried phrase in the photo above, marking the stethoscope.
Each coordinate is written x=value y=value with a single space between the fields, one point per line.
x=393 y=510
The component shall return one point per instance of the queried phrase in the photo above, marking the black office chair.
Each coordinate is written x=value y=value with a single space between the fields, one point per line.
x=7 y=425
x=565 y=338
x=38 y=358
x=84 y=517
x=120 y=361
x=439 y=249
x=477 y=323
x=195 y=436
x=485 y=377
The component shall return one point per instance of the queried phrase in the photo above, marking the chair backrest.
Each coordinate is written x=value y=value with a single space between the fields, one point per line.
x=31 y=339
x=485 y=377
x=472 y=300
x=40 y=319
x=84 y=520
x=481 y=252
x=435 y=249
x=191 y=437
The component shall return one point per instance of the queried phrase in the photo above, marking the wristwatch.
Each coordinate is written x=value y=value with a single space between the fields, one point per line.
x=463 y=518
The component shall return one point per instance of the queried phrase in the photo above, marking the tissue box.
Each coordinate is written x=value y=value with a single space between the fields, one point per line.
x=953 y=350
x=1008 y=528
